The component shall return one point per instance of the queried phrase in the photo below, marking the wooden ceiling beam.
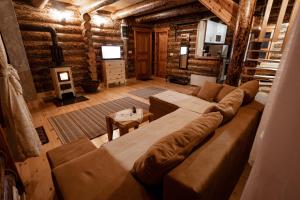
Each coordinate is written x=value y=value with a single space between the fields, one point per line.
x=189 y=9
x=138 y=8
x=96 y=6
x=226 y=10
x=39 y=3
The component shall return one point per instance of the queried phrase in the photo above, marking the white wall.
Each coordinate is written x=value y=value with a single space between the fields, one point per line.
x=276 y=170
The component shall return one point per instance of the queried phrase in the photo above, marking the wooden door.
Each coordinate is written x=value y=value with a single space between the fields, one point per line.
x=161 y=52
x=143 y=53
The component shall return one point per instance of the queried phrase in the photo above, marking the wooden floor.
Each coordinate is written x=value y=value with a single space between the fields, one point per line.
x=35 y=172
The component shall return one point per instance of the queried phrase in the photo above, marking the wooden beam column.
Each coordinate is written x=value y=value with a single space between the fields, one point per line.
x=226 y=10
x=97 y=5
x=15 y=50
x=39 y=3
x=185 y=10
x=240 y=39
x=138 y=8
x=87 y=35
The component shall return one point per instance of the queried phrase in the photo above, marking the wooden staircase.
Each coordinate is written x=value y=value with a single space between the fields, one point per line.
x=265 y=46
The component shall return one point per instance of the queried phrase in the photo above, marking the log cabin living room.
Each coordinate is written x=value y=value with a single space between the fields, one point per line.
x=149 y=99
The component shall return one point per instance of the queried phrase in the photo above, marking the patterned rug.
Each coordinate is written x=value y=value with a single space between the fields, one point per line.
x=89 y=122
x=147 y=92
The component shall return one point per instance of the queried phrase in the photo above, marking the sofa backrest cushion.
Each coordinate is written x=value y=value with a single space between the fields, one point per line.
x=226 y=89
x=209 y=91
x=229 y=105
x=172 y=149
x=250 y=88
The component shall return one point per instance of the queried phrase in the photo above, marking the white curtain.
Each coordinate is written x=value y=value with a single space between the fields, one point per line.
x=22 y=136
x=276 y=170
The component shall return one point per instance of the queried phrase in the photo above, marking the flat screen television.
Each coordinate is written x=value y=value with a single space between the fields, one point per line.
x=111 y=52
x=63 y=76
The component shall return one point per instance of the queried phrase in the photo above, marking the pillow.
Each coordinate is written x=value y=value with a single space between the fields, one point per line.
x=226 y=89
x=172 y=149
x=196 y=90
x=250 y=89
x=229 y=105
x=209 y=91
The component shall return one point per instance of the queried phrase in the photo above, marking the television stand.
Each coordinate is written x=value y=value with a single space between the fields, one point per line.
x=113 y=72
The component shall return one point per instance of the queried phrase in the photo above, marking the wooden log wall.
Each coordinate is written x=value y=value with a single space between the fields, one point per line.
x=107 y=33
x=207 y=66
x=37 y=44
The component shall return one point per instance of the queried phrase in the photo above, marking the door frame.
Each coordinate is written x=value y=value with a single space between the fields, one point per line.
x=158 y=30
x=148 y=30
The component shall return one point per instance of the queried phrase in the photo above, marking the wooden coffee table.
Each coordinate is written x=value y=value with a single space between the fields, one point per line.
x=125 y=125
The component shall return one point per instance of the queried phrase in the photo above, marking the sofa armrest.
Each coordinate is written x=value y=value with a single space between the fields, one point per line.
x=97 y=175
x=212 y=171
x=160 y=108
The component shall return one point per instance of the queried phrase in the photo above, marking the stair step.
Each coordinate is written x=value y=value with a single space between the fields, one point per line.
x=264 y=60
x=266 y=51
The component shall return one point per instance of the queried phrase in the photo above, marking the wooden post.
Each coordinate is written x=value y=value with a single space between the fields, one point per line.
x=240 y=39
x=189 y=9
x=87 y=35
x=39 y=3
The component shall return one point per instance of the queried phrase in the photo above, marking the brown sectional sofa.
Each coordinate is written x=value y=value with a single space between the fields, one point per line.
x=210 y=172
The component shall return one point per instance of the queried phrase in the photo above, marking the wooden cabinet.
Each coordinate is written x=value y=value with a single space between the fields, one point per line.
x=113 y=72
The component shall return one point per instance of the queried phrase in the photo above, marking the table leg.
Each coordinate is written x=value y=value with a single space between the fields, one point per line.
x=109 y=127
x=123 y=131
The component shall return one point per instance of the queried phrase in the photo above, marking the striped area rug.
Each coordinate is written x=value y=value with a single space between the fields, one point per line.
x=89 y=122
x=147 y=92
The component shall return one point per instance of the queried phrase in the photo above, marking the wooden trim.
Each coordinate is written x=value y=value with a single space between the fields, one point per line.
x=161 y=29
x=296 y=9
x=10 y=164
x=283 y=8
x=266 y=19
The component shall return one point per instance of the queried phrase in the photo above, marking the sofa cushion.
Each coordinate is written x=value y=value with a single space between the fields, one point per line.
x=184 y=101
x=69 y=151
x=229 y=105
x=250 y=89
x=209 y=91
x=97 y=175
x=226 y=89
x=196 y=90
x=169 y=151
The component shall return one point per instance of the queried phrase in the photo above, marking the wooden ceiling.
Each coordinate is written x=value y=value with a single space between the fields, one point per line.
x=111 y=8
x=148 y=11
